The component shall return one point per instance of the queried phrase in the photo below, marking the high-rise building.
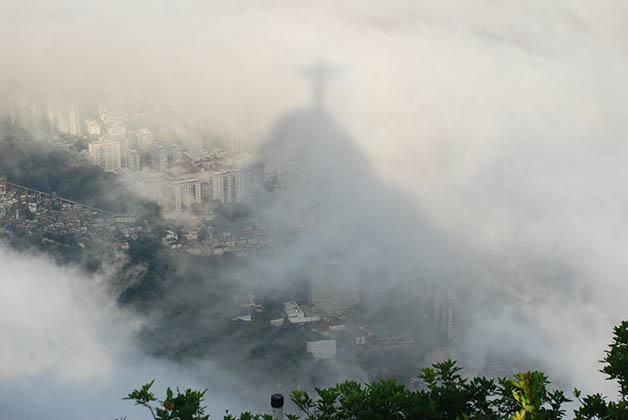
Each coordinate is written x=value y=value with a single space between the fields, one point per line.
x=230 y=186
x=124 y=150
x=182 y=193
x=334 y=289
x=93 y=128
x=28 y=113
x=106 y=154
x=175 y=153
x=159 y=158
x=133 y=158
x=64 y=118
x=144 y=140
x=448 y=319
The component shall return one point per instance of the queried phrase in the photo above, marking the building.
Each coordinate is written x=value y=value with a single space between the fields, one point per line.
x=449 y=319
x=92 y=126
x=334 y=289
x=106 y=154
x=3 y=186
x=113 y=118
x=64 y=118
x=182 y=193
x=175 y=154
x=124 y=150
x=296 y=315
x=28 y=113
x=322 y=349
x=195 y=156
x=230 y=186
x=159 y=158
x=446 y=318
x=144 y=140
x=395 y=342
x=133 y=160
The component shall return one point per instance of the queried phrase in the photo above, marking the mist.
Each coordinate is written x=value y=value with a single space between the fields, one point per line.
x=68 y=351
x=476 y=145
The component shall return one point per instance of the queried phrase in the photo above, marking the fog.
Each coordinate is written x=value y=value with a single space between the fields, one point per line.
x=68 y=351
x=479 y=145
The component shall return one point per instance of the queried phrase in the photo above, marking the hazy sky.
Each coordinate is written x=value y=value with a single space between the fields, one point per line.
x=504 y=122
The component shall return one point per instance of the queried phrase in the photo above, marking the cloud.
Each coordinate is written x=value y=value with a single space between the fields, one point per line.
x=503 y=124
x=68 y=352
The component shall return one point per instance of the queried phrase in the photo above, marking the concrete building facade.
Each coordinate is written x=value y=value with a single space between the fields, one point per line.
x=133 y=160
x=159 y=158
x=144 y=140
x=106 y=154
x=334 y=289
x=181 y=194
x=230 y=186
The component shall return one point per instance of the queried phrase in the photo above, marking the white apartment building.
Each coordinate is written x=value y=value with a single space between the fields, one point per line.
x=64 y=118
x=230 y=186
x=106 y=154
x=144 y=140
x=181 y=194
x=28 y=113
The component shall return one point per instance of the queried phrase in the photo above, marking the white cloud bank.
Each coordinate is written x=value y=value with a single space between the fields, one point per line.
x=66 y=352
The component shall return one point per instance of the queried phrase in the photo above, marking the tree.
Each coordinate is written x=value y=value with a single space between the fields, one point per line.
x=182 y=406
x=447 y=396
x=616 y=368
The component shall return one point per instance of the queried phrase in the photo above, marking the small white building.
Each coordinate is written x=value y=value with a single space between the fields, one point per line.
x=296 y=315
x=106 y=154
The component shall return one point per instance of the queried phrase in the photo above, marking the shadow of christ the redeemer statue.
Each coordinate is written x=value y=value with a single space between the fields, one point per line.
x=327 y=171
x=310 y=142
x=318 y=74
x=361 y=220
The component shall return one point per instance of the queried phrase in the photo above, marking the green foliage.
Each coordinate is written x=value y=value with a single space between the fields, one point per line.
x=247 y=416
x=182 y=406
x=448 y=396
x=616 y=359
x=530 y=393
x=616 y=368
